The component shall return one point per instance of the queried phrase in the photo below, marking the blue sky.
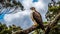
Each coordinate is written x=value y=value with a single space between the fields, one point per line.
x=22 y=18
x=35 y=0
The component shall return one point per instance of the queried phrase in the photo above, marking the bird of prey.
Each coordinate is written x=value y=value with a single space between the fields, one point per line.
x=36 y=18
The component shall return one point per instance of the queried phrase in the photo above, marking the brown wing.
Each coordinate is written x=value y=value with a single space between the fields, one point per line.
x=38 y=19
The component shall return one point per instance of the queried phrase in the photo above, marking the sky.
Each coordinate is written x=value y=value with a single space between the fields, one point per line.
x=23 y=18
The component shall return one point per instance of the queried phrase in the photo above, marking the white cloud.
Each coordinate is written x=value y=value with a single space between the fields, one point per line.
x=20 y=19
x=9 y=17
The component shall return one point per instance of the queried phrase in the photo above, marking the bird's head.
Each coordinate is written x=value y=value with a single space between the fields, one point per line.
x=32 y=8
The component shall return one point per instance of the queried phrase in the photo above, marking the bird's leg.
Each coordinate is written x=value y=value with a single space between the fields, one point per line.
x=44 y=31
x=35 y=24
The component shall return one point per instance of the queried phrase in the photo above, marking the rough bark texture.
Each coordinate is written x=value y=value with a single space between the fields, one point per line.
x=26 y=31
x=52 y=24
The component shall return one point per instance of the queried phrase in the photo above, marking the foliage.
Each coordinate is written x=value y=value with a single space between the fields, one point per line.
x=53 y=11
x=8 y=30
x=55 y=30
x=10 y=3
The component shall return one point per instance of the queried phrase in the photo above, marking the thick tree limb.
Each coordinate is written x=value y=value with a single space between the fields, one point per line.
x=52 y=24
x=26 y=31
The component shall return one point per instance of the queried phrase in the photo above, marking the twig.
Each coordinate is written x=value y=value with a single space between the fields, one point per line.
x=52 y=24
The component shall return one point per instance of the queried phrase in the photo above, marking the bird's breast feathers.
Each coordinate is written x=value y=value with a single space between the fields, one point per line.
x=35 y=23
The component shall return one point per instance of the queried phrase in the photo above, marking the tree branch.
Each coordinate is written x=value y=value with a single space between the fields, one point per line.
x=26 y=31
x=52 y=24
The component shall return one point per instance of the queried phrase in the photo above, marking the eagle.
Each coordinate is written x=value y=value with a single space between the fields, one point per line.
x=37 y=18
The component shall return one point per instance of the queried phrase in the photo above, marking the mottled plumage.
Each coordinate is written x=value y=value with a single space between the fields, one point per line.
x=36 y=16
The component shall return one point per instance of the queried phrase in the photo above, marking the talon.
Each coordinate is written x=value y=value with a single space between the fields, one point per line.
x=35 y=24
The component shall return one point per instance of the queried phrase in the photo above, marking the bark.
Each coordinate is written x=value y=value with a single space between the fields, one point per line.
x=27 y=31
x=52 y=24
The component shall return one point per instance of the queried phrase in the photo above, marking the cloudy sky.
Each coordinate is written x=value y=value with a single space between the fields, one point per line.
x=23 y=18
